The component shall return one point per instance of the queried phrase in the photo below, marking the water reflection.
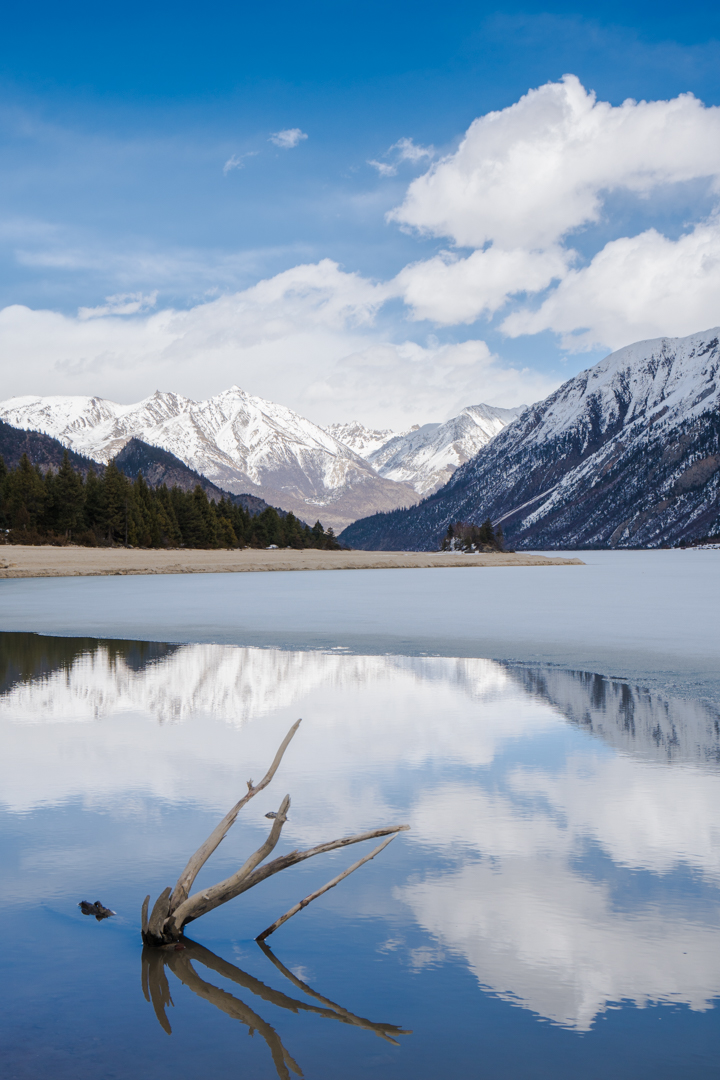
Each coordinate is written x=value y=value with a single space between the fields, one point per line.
x=565 y=840
x=629 y=717
x=179 y=959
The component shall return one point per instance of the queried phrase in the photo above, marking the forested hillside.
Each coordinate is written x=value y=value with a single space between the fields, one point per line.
x=63 y=506
x=41 y=449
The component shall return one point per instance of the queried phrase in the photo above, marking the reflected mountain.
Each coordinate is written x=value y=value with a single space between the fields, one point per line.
x=180 y=960
x=46 y=678
x=28 y=658
x=628 y=717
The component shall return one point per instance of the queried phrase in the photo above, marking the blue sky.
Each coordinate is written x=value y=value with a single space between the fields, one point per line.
x=138 y=165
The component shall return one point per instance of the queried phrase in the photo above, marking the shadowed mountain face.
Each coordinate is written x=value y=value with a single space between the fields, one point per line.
x=627 y=454
x=159 y=466
x=41 y=449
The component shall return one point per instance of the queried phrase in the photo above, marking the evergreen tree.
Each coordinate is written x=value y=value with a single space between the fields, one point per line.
x=68 y=498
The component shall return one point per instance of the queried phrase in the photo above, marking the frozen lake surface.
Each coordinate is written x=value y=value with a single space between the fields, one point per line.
x=651 y=616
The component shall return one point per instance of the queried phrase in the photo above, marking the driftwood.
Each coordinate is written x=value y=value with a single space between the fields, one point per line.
x=181 y=959
x=176 y=907
x=318 y=892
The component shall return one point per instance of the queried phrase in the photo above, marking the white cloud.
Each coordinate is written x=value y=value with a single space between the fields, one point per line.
x=637 y=287
x=449 y=290
x=288 y=138
x=121 y=304
x=403 y=150
x=394 y=383
x=383 y=168
x=306 y=337
x=520 y=182
x=527 y=175
x=233 y=162
x=410 y=151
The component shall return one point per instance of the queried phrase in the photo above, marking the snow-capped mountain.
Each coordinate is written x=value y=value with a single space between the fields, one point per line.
x=426 y=457
x=626 y=454
x=363 y=440
x=243 y=444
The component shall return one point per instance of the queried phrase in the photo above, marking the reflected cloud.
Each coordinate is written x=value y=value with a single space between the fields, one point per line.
x=540 y=935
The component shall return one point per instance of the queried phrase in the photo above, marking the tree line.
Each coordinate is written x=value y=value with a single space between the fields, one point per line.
x=63 y=506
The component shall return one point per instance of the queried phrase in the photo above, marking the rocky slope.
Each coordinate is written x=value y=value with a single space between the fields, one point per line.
x=626 y=454
x=241 y=443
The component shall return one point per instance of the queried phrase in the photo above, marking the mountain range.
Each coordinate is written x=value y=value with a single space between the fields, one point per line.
x=249 y=446
x=626 y=454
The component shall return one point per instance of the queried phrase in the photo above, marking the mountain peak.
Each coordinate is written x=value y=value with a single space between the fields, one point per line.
x=626 y=454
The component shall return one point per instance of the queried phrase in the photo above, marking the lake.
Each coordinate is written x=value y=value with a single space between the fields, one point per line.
x=551 y=736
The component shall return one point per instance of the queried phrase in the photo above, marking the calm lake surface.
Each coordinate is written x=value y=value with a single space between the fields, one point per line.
x=552 y=737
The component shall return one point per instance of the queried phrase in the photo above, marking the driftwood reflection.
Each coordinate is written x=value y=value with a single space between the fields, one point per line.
x=180 y=959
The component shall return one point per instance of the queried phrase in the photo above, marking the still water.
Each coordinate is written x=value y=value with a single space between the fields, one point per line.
x=552 y=912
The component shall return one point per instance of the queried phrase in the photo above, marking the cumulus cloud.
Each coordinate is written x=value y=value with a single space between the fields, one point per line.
x=521 y=183
x=449 y=290
x=636 y=287
x=288 y=138
x=527 y=175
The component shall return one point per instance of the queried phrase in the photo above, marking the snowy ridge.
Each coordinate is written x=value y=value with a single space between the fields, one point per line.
x=625 y=454
x=247 y=445
x=427 y=457
x=363 y=440
x=242 y=443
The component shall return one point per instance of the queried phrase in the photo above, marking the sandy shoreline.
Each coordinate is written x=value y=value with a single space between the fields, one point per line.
x=17 y=561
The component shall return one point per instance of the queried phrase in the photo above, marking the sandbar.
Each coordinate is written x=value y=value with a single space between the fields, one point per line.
x=20 y=561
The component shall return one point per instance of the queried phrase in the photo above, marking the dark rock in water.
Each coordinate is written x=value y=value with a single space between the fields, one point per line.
x=97 y=909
